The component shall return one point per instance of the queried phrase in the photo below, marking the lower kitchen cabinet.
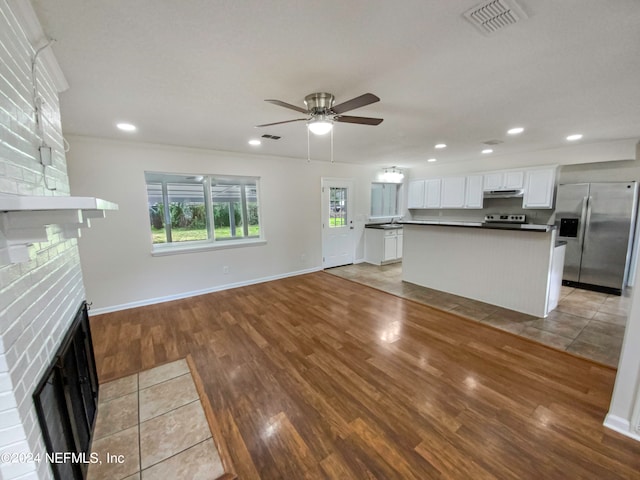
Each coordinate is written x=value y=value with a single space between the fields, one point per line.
x=382 y=246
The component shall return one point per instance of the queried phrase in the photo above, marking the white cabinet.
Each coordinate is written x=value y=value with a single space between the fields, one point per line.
x=514 y=180
x=473 y=194
x=432 y=192
x=504 y=180
x=467 y=191
x=416 y=194
x=382 y=246
x=539 y=188
x=453 y=192
x=390 y=247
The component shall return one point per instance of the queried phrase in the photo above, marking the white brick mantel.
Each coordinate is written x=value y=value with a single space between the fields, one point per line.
x=23 y=221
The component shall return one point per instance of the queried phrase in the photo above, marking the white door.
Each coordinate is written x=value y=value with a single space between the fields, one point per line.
x=337 y=223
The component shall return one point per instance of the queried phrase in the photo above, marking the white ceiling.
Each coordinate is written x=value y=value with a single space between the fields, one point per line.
x=196 y=73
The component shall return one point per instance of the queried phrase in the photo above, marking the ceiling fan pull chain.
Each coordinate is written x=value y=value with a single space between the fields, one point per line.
x=308 y=148
x=332 y=145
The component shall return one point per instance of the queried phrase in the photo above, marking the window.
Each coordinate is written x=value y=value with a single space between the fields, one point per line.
x=384 y=199
x=193 y=211
x=338 y=207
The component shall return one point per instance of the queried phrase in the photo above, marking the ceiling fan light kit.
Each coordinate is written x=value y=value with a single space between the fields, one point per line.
x=320 y=125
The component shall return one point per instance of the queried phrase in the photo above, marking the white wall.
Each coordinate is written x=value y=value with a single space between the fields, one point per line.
x=618 y=171
x=38 y=299
x=624 y=411
x=119 y=270
x=625 y=403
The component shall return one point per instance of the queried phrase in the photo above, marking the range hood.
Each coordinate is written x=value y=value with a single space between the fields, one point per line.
x=519 y=193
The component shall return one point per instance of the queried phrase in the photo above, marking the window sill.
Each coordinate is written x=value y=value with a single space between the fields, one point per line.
x=163 y=250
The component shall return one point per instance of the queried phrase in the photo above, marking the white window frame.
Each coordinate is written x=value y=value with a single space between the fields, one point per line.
x=173 y=248
x=398 y=197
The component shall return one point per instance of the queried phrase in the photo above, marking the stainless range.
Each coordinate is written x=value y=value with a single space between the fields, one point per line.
x=505 y=218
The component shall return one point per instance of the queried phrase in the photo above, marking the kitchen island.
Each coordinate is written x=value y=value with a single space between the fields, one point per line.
x=518 y=267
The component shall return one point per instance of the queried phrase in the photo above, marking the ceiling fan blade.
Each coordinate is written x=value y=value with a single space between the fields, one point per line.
x=357 y=102
x=286 y=121
x=288 y=105
x=360 y=120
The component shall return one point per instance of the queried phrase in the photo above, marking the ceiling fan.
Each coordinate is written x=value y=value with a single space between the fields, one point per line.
x=322 y=111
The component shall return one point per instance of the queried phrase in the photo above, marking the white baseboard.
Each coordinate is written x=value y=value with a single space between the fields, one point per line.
x=620 y=425
x=151 y=301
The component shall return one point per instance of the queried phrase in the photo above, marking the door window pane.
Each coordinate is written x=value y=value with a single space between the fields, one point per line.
x=337 y=207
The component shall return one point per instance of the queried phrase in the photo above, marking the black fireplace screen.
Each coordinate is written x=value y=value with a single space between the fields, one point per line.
x=66 y=401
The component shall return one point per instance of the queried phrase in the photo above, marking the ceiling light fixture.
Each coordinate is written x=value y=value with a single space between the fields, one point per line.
x=320 y=125
x=487 y=150
x=254 y=142
x=574 y=137
x=440 y=145
x=431 y=160
x=126 y=127
x=515 y=131
x=393 y=175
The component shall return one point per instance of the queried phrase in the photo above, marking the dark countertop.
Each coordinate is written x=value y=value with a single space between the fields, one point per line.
x=384 y=226
x=527 y=227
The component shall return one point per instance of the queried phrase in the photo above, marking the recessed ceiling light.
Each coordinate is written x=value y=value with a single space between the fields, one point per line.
x=440 y=145
x=431 y=160
x=126 y=127
x=254 y=142
x=487 y=150
x=574 y=137
x=515 y=131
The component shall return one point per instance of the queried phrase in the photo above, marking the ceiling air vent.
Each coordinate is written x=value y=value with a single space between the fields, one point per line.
x=494 y=15
x=493 y=142
x=272 y=137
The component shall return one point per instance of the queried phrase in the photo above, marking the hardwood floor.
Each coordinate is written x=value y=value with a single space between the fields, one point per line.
x=319 y=377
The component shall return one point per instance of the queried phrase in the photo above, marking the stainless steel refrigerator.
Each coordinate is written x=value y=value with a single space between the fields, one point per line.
x=597 y=221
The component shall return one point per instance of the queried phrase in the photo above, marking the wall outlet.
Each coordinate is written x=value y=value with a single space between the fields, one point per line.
x=225 y=270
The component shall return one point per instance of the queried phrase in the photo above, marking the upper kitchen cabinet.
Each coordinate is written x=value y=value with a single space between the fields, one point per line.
x=504 y=180
x=473 y=194
x=432 y=193
x=416 y=194
x=424 y=193
x=453 y=192
x=539 y=188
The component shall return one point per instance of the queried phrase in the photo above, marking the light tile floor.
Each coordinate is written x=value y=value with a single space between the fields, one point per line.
x=155 y=421
x=586 y=323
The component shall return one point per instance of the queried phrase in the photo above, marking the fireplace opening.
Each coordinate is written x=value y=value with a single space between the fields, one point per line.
x=66 y=401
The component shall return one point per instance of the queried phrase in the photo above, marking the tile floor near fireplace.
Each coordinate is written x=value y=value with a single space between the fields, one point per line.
x=586 y=323
x=154 y=420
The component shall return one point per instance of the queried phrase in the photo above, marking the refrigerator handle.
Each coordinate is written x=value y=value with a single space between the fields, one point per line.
x=583 y=222
x=587 y=220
